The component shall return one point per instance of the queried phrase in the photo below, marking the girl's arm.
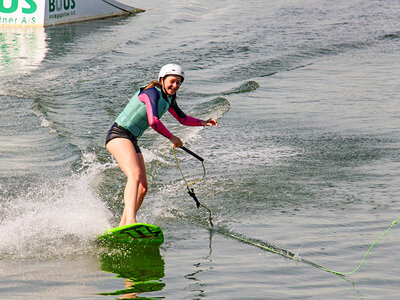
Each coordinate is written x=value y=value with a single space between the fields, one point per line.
x=188 y=120
x=152 y=118
x=182 y=117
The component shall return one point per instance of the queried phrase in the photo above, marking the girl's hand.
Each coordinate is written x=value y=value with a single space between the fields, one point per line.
x=176 y=141
x=209 y=122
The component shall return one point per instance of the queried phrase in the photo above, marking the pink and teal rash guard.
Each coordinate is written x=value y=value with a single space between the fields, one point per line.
x=147 y=107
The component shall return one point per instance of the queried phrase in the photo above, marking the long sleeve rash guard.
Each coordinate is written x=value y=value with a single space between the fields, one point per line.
x=151 y=98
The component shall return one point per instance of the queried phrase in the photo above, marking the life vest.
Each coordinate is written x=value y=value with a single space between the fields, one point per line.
x=134 y=115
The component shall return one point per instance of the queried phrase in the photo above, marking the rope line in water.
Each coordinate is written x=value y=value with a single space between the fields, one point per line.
x=295 y=257
x=262 y=245
x=366 y=254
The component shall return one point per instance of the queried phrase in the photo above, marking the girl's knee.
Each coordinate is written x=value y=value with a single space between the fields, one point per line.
x=134 y=176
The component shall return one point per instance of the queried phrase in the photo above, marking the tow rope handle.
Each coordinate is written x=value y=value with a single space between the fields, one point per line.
x=192 y=194
x=191 y=190
x=192 y=154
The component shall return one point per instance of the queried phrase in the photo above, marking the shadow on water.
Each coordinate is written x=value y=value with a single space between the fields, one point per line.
x=142 y=268
x=62 y=38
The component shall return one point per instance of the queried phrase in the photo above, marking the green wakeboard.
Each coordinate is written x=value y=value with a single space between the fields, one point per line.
x=137 y=234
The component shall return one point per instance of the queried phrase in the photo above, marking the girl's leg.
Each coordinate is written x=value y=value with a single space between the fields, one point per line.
x=124 y=152
x=143 y=182
x=141 y=191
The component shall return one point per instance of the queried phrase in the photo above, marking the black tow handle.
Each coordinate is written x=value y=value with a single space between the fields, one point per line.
x=193 y=195
x=191 y=191
x=192 y=153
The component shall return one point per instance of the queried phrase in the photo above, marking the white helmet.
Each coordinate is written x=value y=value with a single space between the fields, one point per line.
x=171 y=69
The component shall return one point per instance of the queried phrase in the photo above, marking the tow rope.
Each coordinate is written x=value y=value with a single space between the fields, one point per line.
x=365 y=256
x=296 y=257
x=188 y=184
x=262 y=245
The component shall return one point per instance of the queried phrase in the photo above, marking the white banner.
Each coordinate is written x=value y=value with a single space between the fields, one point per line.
x=19 y=13
x=31 y=13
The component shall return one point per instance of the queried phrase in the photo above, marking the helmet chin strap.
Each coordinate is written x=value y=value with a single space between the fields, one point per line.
x=163 y=89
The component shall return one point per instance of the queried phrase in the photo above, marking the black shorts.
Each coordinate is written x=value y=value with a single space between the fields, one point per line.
x=117 y=131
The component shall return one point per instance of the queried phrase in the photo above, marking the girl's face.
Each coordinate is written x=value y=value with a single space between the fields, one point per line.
x=171 y=84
